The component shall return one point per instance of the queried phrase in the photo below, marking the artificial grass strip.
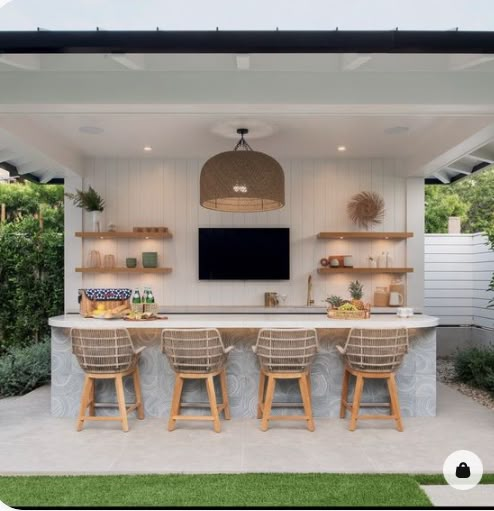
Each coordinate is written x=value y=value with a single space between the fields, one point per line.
x=435 y=479
x=214 y=490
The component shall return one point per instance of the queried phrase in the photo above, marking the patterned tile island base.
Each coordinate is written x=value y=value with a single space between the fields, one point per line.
x=416 y=378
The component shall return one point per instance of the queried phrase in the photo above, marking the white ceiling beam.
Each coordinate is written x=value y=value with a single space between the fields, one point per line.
x=21 y=61
x=482 y=155
x=27 y=168
x=455 y=169
x=352 y=61
x=47 y=177
x=6 y=155
x=33 y=144
x=463 y=62
x=133 y=62
x=442 y=178
x=243 y=62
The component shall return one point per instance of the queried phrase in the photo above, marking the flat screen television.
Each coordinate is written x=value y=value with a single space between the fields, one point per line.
x=244 y=254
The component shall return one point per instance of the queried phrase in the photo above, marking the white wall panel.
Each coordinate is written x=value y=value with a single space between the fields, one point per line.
x=458 y=269
x=166 y=192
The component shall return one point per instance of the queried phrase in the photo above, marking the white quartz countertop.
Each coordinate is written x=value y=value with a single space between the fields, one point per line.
x=248 y=321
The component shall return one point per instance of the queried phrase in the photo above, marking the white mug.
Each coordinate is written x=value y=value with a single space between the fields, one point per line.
x=395 y=298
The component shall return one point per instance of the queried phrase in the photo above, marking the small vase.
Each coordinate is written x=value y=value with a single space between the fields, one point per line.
x=96 y=221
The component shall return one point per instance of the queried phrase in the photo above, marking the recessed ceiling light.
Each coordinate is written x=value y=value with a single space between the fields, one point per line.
x=91 y=130
x=341 y=148
x=396 y=130
x=148 y=148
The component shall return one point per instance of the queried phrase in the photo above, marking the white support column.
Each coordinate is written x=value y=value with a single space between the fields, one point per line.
x=415 y=211
x=73 y=246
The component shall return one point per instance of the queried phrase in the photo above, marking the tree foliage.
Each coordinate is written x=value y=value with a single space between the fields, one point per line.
x=31 y=263
x=440 y=204
x=471 y=198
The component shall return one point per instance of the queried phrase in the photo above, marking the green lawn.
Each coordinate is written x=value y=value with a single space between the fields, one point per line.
x=214 y=490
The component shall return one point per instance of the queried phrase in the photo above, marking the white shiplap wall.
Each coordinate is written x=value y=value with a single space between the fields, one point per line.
x=166 y=192
x=458 y=268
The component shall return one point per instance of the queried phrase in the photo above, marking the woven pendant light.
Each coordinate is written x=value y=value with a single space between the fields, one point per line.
x=242 y=180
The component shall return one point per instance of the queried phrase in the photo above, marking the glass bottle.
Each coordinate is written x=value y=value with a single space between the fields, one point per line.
x=136 y=297
x=149 y=296
x=145 y=295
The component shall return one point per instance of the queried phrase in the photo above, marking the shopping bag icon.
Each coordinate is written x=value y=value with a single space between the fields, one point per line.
x=462 y=471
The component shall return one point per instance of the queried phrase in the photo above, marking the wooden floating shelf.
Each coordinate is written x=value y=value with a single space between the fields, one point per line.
x=123 y=270
x=327 y=271
x=364 y=235
x=124 y=235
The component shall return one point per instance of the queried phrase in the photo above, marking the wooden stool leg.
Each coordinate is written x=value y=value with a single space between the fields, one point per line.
x=395 y=401
x=92 y=398
x=357 y=396
x=224 y=393
x=344 y=392
x=86 y=389
x=260 y=398
x=266 y=409
x=213 y=404
x=175 y=407
x=304 y=391
x=121 y=402
x=137 y=387
x=309 y=385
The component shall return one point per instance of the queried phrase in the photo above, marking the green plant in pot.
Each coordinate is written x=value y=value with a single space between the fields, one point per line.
x=91 y=201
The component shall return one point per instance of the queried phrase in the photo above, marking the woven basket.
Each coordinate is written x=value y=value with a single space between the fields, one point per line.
x=145 y=307
x=337 y=314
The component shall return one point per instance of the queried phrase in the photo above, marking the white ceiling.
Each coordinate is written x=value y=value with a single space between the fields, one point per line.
x=306 y=105
x=293 y=136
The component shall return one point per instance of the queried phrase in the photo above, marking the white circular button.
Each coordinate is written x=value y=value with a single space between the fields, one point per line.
x=463 y=470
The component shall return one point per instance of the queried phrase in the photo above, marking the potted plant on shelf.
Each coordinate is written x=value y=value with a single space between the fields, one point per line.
x=91 y=201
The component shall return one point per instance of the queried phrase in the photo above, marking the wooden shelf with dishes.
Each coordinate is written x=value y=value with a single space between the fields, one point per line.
x=352 y=235
x=123 y=270
x=329 y=271
x=125 y=235
x=161 y=233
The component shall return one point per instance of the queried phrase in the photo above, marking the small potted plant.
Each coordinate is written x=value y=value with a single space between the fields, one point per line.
x=90 y=201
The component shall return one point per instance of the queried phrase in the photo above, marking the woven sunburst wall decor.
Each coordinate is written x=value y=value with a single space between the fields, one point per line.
x=366 y=209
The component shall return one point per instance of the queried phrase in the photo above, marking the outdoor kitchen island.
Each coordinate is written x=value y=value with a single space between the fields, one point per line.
x=416 y=377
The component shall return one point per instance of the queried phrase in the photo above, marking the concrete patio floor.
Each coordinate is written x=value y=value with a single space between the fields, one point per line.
x=33 y=442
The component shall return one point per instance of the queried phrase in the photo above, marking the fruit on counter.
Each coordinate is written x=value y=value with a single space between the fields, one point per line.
x=356 y=289
x=335 y=301
x=347 y=307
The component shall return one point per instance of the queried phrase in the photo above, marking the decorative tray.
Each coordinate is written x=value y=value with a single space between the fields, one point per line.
x=154 y=318
x=359 y=314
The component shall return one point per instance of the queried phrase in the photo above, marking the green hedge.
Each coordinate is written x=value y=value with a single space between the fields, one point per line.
x=24 y=369
x=31 y=263
x=475 y=366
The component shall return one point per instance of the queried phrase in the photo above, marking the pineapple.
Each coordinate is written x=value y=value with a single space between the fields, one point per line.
x=356 y=292
x=335 y=301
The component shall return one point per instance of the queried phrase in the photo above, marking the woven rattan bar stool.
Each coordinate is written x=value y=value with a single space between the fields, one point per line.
x=197 y=354
x=373 y=354
x=285 y=354
x=107 y=354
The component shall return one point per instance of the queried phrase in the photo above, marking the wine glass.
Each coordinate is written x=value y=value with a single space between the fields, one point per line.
x=283 y=297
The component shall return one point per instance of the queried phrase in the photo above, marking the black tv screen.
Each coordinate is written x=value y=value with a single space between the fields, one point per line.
x=244 y=254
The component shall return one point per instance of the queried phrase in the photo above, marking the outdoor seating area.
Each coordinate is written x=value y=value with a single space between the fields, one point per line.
x=246 y=267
